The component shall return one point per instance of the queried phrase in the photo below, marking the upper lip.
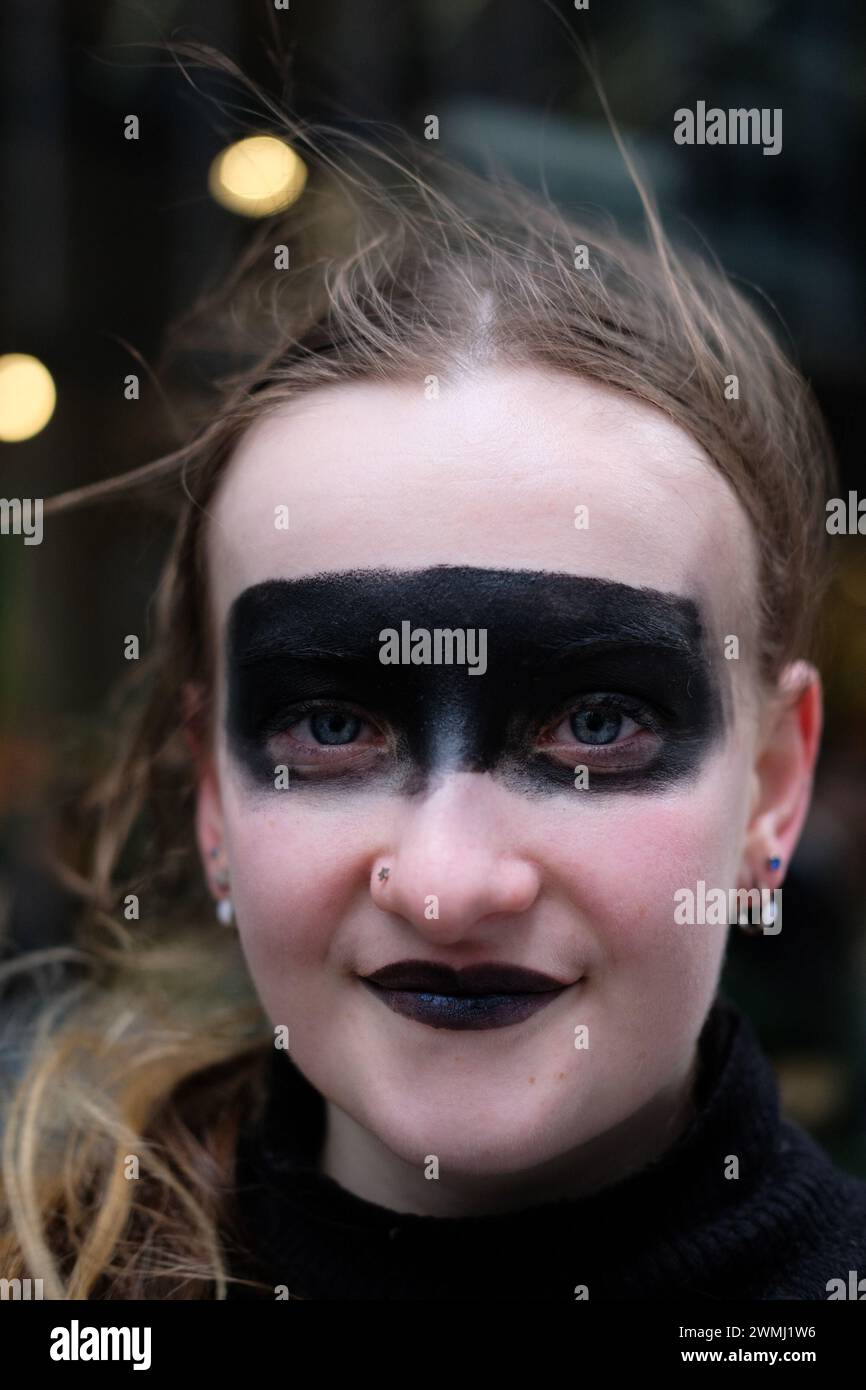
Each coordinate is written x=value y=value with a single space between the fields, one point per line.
x=489 y=977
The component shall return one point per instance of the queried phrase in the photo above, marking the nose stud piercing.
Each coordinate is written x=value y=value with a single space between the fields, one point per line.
x=383 y=875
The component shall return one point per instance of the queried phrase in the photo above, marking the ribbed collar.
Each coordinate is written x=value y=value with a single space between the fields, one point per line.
x=682 y=1223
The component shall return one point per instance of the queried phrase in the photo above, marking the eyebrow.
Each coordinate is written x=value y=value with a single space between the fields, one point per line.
x=273 y=618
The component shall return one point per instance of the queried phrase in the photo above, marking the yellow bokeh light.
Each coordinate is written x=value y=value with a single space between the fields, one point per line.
x=257 y=176
x=27 y=396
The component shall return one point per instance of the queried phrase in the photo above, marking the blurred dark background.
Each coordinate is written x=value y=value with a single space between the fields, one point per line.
x=106 y=240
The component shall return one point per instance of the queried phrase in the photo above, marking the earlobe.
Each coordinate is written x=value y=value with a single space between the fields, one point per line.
x=784 y=768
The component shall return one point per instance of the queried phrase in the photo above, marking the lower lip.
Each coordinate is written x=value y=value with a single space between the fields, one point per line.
x=464 y=1011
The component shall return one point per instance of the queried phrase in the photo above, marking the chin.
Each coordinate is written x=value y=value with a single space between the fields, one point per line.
x=471 y=1138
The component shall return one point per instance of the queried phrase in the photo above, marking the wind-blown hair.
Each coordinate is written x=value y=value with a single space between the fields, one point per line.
x=142 y=1046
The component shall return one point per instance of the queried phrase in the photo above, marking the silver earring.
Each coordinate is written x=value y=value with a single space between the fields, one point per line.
x=225 y=907
x=225 y=912
x=768 y=915
x=768 y=912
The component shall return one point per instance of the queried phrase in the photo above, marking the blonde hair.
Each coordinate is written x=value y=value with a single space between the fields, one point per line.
x=142 y=1047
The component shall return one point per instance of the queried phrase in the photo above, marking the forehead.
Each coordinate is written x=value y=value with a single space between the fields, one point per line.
x=493 y=472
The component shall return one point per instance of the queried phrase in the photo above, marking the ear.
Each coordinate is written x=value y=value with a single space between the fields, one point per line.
x=208 y=811
x=783 y=771
x=193 y=714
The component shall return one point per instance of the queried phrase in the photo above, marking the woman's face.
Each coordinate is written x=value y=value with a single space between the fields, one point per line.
x=595 y=563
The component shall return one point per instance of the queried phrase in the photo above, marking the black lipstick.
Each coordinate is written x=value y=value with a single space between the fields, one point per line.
x=489 y=995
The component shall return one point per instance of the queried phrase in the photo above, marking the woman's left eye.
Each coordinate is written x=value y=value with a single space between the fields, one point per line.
x=601 y=729
x=599 y=726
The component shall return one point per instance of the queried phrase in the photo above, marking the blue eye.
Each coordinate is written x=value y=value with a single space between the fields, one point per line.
x=596 y=726
x=610 y=732
x=327 y=740
x=335 y=726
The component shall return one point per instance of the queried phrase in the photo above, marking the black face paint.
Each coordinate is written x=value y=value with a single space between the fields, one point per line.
x=307 y=652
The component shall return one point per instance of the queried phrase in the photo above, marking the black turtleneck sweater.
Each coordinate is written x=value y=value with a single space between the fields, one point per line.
x=677 y=1228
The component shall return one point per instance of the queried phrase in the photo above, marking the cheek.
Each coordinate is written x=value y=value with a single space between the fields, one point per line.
x=299 y=872
x=294 y=874
x=623 y=859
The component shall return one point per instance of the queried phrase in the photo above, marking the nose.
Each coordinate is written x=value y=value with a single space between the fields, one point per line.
x=453 y=860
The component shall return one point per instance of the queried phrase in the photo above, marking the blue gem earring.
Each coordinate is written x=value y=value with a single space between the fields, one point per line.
x=768 y=913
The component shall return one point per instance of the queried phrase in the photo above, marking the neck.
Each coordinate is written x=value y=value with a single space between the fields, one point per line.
x=356 y=1159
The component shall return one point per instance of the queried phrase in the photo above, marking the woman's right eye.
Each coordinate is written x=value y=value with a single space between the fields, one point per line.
x=328 y=737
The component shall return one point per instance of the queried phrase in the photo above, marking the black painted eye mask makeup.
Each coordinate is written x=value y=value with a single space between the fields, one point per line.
x=385 y=678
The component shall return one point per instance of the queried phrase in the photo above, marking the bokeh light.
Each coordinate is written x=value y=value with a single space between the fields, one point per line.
x=257 y=176
x=27 y=396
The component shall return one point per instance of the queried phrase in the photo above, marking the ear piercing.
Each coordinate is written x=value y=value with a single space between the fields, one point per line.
x=225 y=907
x=383 y=875
x=768 y=910
x=225 y=912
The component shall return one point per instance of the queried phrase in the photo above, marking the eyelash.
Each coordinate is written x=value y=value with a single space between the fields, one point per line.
x=318 y=753
x=611 y=754
x=642 y=715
